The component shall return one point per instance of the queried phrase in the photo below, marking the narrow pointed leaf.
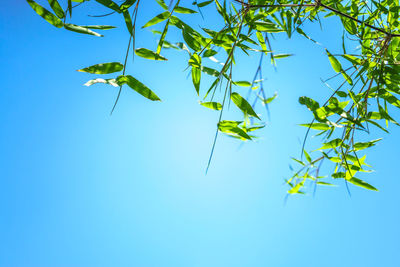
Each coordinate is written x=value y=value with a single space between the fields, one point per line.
x=104 y=68
x=361 y=183
x=212 y=105
x=243 y=105
x=157 y=19
x=138 y=87
x=110 y=4
x=148 y=54
x=57 y=8
x=44 y=13
x=334 y=62
x=184 y=10
x=80 y=29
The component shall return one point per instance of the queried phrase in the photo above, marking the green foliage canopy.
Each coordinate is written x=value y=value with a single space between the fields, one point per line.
x=361 y=103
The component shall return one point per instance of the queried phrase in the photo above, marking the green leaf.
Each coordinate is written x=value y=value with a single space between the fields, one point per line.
x=229 y=127
x=157 y=19
x=347 y=77
x=162 y=4
x=325 y=183
x=242 y=83
x=80 y=29
x=361 y=183
x=212 y=105
x=184 y=10
x=269 y=99
x=195 y=62
x=128 y=21
x=44 y=13
x=99 y=27
x=332 y=144
x=127 y=4
x=209 y=53
x=363 y=145
x=334 y=62
x=317 y=126
x=148 y=54
x=104 y=68
x=243 y=105
x=57 y=8
x=277 y=56
x=110 y=4
x=295 y=189
x=138 y=87
x=205 y=3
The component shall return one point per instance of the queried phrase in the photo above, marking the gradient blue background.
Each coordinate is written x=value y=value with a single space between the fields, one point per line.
x=81 y=188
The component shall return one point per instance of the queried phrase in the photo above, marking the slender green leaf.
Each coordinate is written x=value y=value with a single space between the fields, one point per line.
x=361 y=183
x=138 y=87
x=57 y=8
x=157 y=19
x=104 y=68
x=80 y=29
x=243 y=105
x=44 y=13
x=212 y=105
x=148 y=54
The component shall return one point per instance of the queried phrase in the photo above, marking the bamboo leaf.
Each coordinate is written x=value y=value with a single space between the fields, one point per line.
x=138 y=87
x=104 y=68
x=148 y=54
x=157 y=19
x=44 y=13
x=57 y=8
x=80 y=29
x=243 y=105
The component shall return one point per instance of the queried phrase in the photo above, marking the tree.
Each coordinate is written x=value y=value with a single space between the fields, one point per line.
x=363 y=99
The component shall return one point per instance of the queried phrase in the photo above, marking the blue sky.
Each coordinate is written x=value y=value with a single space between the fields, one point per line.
x=81 y=188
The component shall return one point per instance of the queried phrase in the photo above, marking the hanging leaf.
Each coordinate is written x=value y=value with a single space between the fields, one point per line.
x=243 y=105
x=184 y=10
x=127 y=4
x=57 y=8
x=361 y=183
x=148 y=54
x=80 y=29
x=162 y=4
x=195 y=62
x=104 y=68
x=334 y=62
x=110 y=4
x=44 y=13
x=138 y=87
x=157 y=19
x=99 y=27
x=242 y=83
x=229 y=127
x=212 y=105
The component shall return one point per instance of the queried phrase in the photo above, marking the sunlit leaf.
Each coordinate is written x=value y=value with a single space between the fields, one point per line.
x=80 y=29
x=138 y=87
x=44 y=13
x=104 y=68
x=148 y=54
x=212 y=105
x=243 y=105
x=361 y=183
x=157 y=19
x=57 y=8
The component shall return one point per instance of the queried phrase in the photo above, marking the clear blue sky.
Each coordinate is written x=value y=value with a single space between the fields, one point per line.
x=81 y=188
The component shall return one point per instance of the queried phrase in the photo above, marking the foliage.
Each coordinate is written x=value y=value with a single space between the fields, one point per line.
x=361 y=102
